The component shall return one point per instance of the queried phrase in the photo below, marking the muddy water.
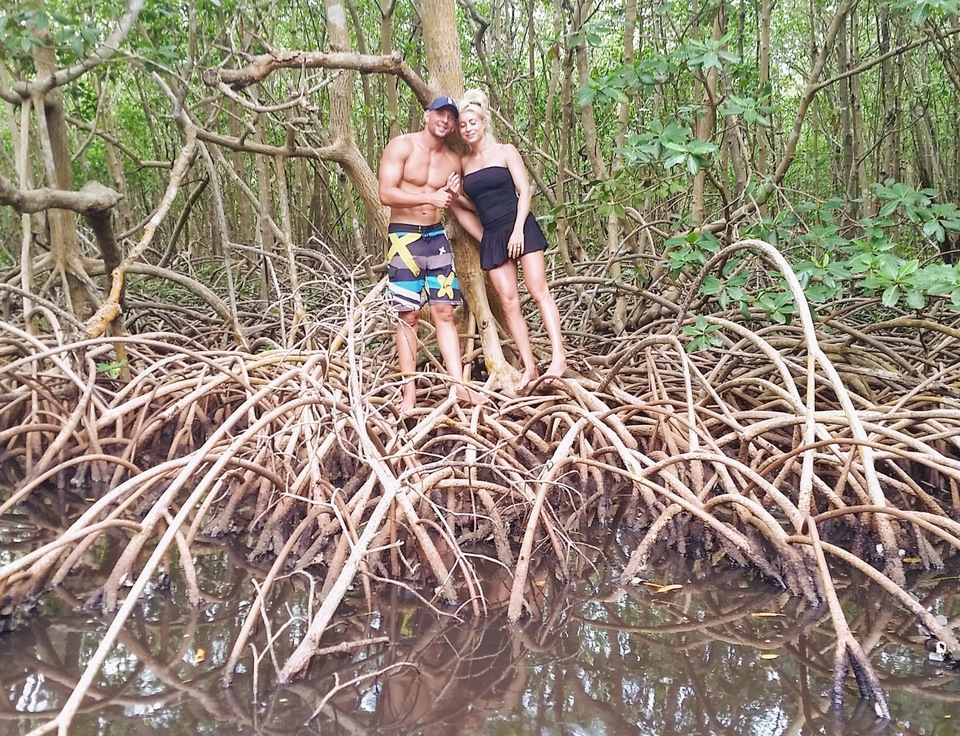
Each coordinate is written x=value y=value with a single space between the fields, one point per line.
x=686 y=651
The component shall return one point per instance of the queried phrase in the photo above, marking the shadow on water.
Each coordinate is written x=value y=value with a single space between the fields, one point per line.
x=689 y=651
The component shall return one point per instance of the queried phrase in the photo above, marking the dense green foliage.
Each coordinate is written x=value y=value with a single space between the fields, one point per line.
x=672 y=137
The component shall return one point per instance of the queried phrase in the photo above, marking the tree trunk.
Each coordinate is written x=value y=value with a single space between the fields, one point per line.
x=846 y=118
x=369 y=138
x=599 y=170
x=118 y=181
x=241 y=206
x=617 y=245
x=55 y=145
x=889 y=165
x=858 y=174
x=266 y=241
x=563 y=154
x=706 y=124
x=763 y=81
x=441 y=43
x=390 y=83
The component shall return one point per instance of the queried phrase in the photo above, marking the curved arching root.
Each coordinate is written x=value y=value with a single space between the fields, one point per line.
x=749 y=453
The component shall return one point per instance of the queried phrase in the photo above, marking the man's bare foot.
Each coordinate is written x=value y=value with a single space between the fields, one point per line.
x=529 y=376
x=470 y=396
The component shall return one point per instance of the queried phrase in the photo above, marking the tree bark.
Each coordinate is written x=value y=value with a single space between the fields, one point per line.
x=390 y=83
x=441 y=44
x=706 y=123
x=763 y=80
x=55 y=146
x=856 y=184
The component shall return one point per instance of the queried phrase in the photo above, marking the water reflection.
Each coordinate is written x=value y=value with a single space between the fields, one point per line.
x=718 y=655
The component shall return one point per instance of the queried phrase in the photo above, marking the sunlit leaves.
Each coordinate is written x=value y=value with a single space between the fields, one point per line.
x=729 y=292
x=898 y=196
x=607 y=89
x=942 y=217
x=16 y=34
x=778 y=305
x=641 y=77
x=917 y=206
x=111 y=369
x=592 y=33
x=821 y=277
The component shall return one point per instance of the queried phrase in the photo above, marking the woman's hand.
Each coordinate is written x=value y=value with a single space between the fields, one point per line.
x=515 y=244
x=454 y=185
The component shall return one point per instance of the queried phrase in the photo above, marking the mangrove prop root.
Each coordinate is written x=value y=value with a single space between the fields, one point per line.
x=774 y=454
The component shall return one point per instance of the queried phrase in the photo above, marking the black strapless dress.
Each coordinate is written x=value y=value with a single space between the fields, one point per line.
x=492 y=191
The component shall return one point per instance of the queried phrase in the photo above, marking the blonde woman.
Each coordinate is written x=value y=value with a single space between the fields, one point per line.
x=495 y=180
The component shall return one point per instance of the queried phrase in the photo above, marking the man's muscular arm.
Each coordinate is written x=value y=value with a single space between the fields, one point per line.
x=391 y=177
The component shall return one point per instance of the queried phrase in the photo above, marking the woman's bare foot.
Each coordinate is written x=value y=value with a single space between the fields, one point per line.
x=529 y=376
x=558 y=366
x=470 y=396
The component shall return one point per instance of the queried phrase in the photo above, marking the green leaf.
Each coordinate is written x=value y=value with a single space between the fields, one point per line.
x=617 y=96
x=711 y=285
x=915 y=299
x=933 y=229
x=586 y=95
x=112 y=369
x=675 y=160
x=819 y=293
x=888 y=209
x=889 y=268
x=710 y=60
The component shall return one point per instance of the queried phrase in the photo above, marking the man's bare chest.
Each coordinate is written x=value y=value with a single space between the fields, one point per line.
x=424 y=169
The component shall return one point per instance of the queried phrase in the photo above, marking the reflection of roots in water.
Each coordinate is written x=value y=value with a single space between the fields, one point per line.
x=458 y=675
x=441 y=675
x=791 y=450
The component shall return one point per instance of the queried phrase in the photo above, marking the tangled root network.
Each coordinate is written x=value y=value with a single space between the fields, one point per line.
x=788 y=449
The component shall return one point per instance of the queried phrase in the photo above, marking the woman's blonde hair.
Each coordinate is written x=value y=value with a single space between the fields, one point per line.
x=475 y=101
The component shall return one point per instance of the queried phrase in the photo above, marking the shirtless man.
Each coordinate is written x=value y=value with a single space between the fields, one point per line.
x=419 y=176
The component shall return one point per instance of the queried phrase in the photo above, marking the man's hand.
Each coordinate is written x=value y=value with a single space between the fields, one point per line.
x=442 y=198
x=450 y=191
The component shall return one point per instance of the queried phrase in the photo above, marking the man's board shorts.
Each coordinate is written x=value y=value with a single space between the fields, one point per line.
x=419 y=258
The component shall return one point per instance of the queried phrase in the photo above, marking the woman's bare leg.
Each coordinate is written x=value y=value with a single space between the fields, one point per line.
x=535 y=279
x=504 y=280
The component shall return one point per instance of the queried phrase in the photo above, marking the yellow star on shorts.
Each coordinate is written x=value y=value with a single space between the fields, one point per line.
x=446 y=285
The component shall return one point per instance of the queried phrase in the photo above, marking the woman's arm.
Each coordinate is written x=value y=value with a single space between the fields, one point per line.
x=518 y=172
x=467 y=217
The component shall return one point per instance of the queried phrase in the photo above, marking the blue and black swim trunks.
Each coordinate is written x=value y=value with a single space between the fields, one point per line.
x=419 y=258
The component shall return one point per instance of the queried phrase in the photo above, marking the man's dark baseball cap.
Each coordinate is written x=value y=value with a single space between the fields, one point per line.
x=445 y=103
